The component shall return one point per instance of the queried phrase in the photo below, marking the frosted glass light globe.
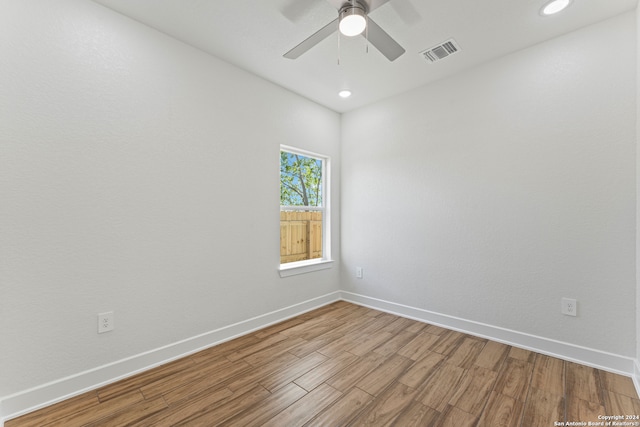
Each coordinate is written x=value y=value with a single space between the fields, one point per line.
x=352 y=21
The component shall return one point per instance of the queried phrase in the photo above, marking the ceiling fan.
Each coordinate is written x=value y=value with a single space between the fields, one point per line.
x=353 y=18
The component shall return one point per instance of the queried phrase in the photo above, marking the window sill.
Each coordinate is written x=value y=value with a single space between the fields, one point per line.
x=302 y=267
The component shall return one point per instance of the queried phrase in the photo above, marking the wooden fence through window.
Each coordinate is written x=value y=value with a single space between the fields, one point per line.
x=300 y=235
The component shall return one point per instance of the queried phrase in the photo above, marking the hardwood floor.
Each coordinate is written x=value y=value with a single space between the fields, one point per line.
x=348 y=365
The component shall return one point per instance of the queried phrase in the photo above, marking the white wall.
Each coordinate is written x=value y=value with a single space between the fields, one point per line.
x=136 y=175
x=490 y=195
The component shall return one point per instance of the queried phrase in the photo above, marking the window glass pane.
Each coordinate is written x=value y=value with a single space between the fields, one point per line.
x=301 y=207
x=300 y=235
x=300 y=180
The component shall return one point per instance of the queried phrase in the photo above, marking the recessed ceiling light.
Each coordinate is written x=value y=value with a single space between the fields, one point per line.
x=344 y=93
x=554 y=7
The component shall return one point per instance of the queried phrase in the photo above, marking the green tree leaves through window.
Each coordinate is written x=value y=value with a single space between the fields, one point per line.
x=300 y=180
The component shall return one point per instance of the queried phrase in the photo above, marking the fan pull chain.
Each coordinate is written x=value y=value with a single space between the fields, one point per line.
x=338 y=47
x=366 y=34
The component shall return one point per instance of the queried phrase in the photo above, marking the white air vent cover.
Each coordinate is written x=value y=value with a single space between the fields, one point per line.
x=441 y=51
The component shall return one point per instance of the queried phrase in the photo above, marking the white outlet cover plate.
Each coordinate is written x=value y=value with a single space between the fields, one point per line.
x=106 y=322
x=569 y=307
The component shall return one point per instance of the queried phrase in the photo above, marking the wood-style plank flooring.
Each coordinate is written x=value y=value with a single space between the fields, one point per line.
x=348 y=365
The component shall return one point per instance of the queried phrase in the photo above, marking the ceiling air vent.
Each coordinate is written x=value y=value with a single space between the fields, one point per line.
x=440 y=51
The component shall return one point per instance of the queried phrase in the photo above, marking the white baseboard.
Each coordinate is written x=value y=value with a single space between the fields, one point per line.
x=30 y=400
x=636 y=376
x=583 y=355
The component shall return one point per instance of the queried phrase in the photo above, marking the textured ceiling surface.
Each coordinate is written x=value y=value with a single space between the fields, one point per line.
x=255 y=34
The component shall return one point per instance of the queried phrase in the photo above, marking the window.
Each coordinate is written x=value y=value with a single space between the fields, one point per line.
x=304 y=213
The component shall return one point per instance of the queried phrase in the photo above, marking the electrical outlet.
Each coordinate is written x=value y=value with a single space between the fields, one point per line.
x=359 y=272
x=569 y=307
x=106 y=322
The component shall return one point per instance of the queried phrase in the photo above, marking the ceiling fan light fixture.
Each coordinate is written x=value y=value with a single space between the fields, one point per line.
x=353 y=21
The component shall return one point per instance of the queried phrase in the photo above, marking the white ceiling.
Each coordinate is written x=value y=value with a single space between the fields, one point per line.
x=254 y=34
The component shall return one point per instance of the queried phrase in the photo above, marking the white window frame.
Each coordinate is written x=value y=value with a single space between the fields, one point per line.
x=310 y=265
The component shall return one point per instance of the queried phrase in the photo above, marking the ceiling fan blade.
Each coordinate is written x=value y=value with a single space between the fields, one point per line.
x=315 y=38
x=338 y=3
x=294 y=10
x=374 y=4
x=406 y=11
x=369 y=4
x=383 y=41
